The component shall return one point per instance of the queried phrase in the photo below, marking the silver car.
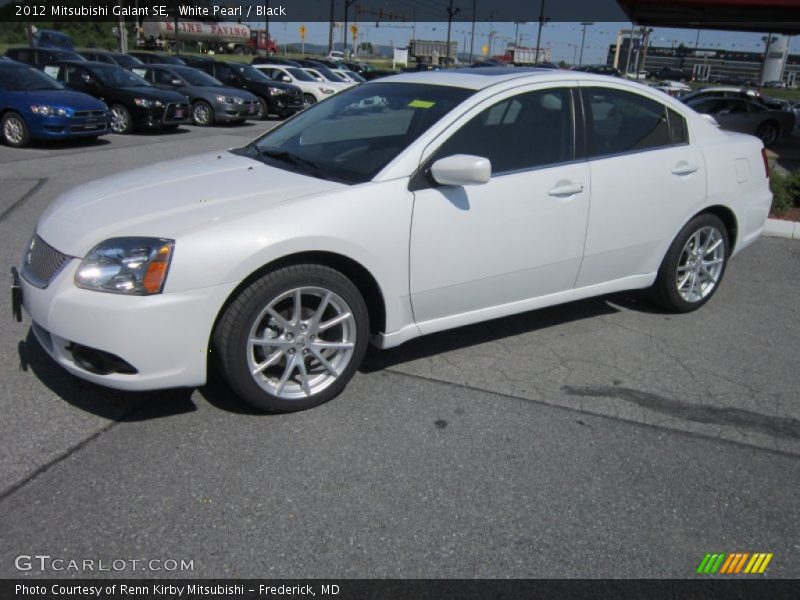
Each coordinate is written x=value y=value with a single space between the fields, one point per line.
x=738 y=114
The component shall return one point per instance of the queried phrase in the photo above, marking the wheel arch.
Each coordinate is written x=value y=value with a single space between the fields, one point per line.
x=361 y=277
x=728 y=218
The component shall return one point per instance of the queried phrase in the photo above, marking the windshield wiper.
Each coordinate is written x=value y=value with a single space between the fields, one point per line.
x=298 y=161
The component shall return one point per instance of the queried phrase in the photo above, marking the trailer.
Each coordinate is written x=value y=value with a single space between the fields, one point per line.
x=432 y=52
x=212 y=36
x=527 y=56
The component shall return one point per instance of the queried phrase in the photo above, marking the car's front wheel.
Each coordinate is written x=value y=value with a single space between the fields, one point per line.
x=15 y=132
x=121 y=121
x=309 y=100
x=293 y=338
x=262 y=111
x=693 y=266
x=202 y=113
x=768 y=132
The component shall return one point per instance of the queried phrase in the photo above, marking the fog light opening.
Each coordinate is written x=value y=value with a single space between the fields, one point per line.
x=99 y=362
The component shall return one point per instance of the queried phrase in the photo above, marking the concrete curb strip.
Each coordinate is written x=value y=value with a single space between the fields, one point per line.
x=782 y=229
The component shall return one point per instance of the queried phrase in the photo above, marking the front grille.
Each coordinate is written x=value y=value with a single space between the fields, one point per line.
x=90 y=113
x=88 y=127
x=169 y=112
x=42 y=263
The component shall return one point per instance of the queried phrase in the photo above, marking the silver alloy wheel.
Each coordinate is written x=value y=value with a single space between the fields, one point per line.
x=301 y=342
x=700 y=264
x=119 y=119
x=14 y=130
x=201 y=113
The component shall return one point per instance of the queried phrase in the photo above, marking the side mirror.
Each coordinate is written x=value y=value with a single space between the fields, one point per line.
x=462 y=169
x=723 y=112
x=286 y=79
x=177 y=82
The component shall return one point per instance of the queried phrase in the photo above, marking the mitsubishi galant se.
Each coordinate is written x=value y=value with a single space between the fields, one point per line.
x=398 y=208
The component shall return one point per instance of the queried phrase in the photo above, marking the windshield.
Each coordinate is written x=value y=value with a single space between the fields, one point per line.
x=353 y=135
x=118 y=77
x=328 y=74
x=195 y=77
x=22 y=78
x=355 y=76
x=250 y=73
x=299 y=74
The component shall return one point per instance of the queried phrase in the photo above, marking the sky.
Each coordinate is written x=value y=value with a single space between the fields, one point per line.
x=563 y=38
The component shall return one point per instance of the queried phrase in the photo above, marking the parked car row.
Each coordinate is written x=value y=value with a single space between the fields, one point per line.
x=147 y=90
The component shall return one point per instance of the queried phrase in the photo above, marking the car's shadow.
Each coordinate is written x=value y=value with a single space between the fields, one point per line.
x=70 y=143
x=130 y=406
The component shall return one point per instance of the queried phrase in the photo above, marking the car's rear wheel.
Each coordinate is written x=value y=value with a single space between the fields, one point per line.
x=121 y=121
x=693 y=266
x=202 y=113
x=15 y=131
x=768 y=132
x=293 y=338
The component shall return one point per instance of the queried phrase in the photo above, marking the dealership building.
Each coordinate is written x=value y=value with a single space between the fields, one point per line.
x=773 y=64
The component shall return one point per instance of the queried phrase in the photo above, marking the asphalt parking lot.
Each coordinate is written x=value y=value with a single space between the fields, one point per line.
x=602 y=438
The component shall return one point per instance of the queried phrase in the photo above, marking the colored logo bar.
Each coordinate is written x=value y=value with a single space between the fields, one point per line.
x=735 y=563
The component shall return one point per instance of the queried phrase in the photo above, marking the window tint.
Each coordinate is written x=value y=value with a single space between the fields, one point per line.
x=526 y=131
x=162 y=77
x=678 y=132
x=74 y=75
x=619 y=121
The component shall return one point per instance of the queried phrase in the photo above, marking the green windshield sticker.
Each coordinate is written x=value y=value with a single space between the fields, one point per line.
x=421 y=104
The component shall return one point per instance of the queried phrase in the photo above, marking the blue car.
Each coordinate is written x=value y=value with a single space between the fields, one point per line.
x=35 y=106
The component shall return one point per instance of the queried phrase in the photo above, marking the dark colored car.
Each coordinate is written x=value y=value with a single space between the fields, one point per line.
x=273 y=60
x=134 y=103
x=38 y=57
x=112 y=58
x=274 y=97
x=377 y=74
x=737 y=114
x=198 y=62
x=322 y=69
x=599 y=70
x=35 y=106
x=47 y=38
x=672 y=74
x=724 y=92
x=211 y=101
x=156 y=58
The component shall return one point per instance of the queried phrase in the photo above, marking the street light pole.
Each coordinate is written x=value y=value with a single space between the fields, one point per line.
x=472 y=40
x=450 y=13
x=539 y=35
x=583 y=39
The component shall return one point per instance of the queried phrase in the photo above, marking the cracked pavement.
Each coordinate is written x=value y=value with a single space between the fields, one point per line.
x=534 y=445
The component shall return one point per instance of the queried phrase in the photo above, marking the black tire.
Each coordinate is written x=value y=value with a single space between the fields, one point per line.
x=263 y=111
x=309 y=99
x=230 y=339
x=768 y=132
x=665 y=290
x=15 y=131
x=202 y=110
x=121 y=120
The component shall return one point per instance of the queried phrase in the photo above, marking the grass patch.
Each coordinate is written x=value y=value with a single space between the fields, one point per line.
x=785 y=190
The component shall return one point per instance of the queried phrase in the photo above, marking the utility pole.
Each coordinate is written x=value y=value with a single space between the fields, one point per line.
x=177 y=46
x=330 y=28
x=516 y=34
x=451 y=12
x=583 y=39
x=539 y=35
x=630 y=50
x=266 y=27
x=472 y=41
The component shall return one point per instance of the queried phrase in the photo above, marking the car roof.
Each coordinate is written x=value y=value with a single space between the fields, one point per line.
x=478 y=79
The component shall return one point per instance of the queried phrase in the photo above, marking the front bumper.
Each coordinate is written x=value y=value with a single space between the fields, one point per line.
x=226 y=112
x=164 y=337
x=154 y=117
x=79 y=125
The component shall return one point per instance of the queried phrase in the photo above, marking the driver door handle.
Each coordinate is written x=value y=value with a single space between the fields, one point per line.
x=564 y=190
x=685 y=168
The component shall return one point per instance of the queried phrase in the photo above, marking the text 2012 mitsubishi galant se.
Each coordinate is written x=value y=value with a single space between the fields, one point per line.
x=395 y=209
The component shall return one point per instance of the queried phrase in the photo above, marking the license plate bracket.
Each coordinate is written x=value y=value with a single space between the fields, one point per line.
x=16 y=295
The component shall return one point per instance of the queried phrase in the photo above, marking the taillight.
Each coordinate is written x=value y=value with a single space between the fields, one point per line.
x=766 y=162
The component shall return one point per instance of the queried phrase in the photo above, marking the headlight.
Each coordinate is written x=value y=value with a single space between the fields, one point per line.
x=47 y=111
x=130 y=265
x=145 y=103
x=327 y=91
x=274 y=91
x=225 y=99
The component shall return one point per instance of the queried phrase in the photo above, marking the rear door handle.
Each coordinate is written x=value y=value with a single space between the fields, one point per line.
x=568 y=189
x=685 y=168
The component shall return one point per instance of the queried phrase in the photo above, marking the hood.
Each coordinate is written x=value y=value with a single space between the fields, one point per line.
x=223 y=91
x=154 y=93
x=65 y=99
x=162 y=200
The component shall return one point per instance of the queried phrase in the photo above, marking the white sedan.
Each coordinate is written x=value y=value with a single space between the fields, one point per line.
x=313 y=90
x=464 y=197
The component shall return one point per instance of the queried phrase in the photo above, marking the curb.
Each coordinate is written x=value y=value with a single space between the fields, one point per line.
x=782 y=229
